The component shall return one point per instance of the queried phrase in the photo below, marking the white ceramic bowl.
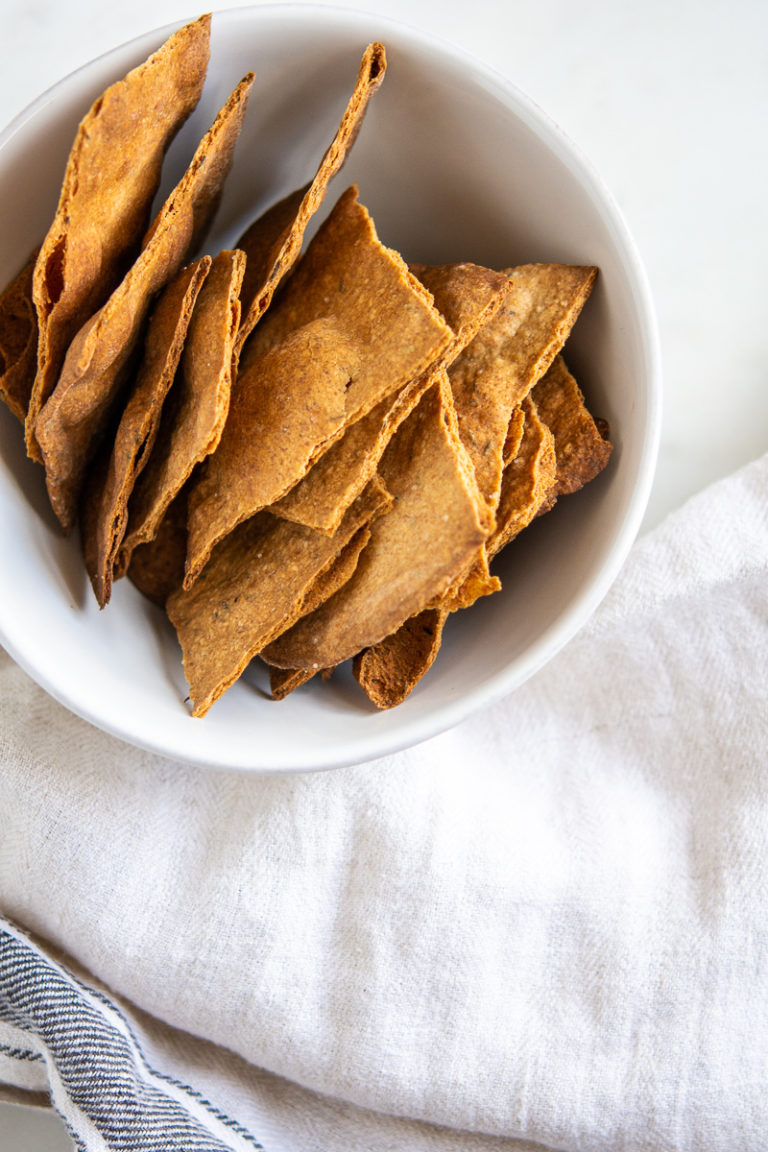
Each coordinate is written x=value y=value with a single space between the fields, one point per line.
x=454 y=163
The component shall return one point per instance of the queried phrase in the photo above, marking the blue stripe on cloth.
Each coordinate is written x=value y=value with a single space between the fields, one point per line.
x=100 y=1080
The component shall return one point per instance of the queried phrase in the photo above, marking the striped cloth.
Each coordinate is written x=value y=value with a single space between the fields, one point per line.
x=59 y=1036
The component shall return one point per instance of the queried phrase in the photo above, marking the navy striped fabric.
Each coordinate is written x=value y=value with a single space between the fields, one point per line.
x=58 y=1034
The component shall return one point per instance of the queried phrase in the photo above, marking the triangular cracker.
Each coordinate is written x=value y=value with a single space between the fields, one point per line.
x=347 y=274
x=253 y=587
x=157 y=568
x=580 y=447
x=528 y=480
x=112 y=175
x=489 y=379
x=193 y=419
x=389 y=670
x=286 y=405
x=507 y=357
x=105 y=513
x=436 y=501
x=466 y=296
x=77 y=413
x=273 y=242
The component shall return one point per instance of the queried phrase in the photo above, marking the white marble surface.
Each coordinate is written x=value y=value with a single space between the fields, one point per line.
x=668 y=98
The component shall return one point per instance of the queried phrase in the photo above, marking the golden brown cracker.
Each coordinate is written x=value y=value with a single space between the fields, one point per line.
x=389 y=671
x=509 y=354
x=112 y=175
x=273 y=242
x=416 y=551
x=528 y=482
x=332 y=483
x=72 y=422
x=466 y=295
x=347 y=274
x=514 y=435
x=105 y=518
x=253 y=587
x=284 y=681
x=287 y=404
x=581 y=449
x=489 y=379
x=157 y=568
x=18 y=341
x=193 y=418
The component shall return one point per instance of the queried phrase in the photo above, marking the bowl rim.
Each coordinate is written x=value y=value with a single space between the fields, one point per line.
x=583 y=604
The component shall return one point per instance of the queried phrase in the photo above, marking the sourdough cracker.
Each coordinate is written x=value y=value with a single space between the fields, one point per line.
x=105 y=506
x=529 y=480
x=348 y=275
x=157 y=567
x=76 y=415
x=273 y=242
x=466 y=296
x=287 y=405
x=283 y=681
x=112 y=175
x=253 y=587
x=18 y=341
x=436 y=499
x=389 y=671
x=193 y=418
x=582 y=448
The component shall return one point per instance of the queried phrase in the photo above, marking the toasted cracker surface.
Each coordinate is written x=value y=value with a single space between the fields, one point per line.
x=529 y=480
x=287 y=404
x=112 y=175
x=273 y=242
x=193 y=419
x=389 y=671
x=91 y=386
x=18 y=341
x=253 y=587
x=436 y=500
x=157 y=568
x=105 y=514
x=581 y=449
x=466 y=295
x=347 y=274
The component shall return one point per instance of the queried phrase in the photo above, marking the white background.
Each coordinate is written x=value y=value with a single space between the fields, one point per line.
x=668 y=98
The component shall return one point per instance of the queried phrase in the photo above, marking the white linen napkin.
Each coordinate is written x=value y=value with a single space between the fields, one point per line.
x=547 y=925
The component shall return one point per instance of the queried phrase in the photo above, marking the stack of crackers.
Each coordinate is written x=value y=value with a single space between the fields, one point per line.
x=306 y=457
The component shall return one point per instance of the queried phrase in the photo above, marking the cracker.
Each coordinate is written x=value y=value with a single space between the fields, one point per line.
x=489 y=379
x=529 y=480
x=348 y=275
x=105 y=513
x=509 y=355
x=193 y=419
x=76 y=415
x=466 y=295
x=112 y=175
x=283 y=681
x=390 y=670
x=287 y=404
x=436 y=500
x=581 y=448
x=273 y=242
x=18 y=341
x=157 y=568
x=253 y=587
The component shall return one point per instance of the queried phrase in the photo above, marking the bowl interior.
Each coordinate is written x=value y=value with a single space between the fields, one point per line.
x=454 y=164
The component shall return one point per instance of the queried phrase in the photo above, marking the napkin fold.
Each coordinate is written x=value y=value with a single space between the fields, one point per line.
x=545 y=927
